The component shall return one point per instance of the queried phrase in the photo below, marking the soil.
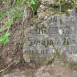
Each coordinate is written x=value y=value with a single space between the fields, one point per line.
x=24 y=69
x=14 y=51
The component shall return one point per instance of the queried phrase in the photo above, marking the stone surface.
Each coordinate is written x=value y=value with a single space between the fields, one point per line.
x=49 y=2
x=57 y=32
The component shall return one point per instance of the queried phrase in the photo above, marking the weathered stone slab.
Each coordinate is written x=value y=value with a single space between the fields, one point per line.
x=58 y=32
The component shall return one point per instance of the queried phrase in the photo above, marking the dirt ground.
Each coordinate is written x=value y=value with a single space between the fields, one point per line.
x=24 y=69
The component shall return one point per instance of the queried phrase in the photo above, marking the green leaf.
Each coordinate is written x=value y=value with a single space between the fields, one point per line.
x=2 y=70
x=17 y=61
x=37 y=19
x=2 y=38
x=7 y=34
x=36 y=3
x=17 y=1
x=32 y=6
x=5 y=40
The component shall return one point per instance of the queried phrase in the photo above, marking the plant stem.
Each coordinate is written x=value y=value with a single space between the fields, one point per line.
x=60 y=6
x=1 y=45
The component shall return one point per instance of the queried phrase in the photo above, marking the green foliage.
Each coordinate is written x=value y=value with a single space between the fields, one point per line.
x=18 y=13
x=16 y=61
x=33 y=4
x=56 y=50
x=60 y=6
x=4 y=39
x=64 y=5
x=17 y=2
x=2 y=15
x=37 y=19
x=11 y=12
x=2 y=70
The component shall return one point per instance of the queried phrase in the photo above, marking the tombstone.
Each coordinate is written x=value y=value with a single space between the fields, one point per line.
x=58 y=32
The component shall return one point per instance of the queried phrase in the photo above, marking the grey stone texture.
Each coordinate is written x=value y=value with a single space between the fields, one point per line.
x=57 y=32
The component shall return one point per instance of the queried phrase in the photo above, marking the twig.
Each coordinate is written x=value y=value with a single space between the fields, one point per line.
x=7 y=67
